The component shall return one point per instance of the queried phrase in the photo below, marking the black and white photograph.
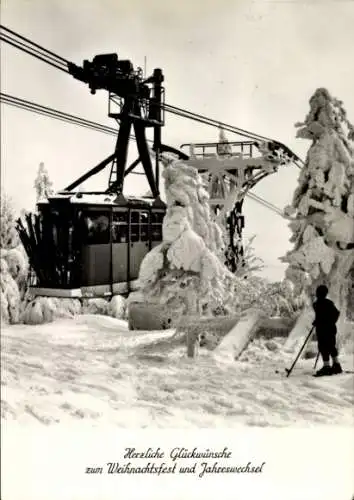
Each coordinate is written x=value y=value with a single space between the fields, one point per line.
x=177 y=248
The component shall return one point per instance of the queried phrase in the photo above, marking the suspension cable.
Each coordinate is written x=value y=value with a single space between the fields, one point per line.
x=54 y=113
x=59 y=115
x=265 y=203
x=56 y=56
x=203 y=119
x=33 y=49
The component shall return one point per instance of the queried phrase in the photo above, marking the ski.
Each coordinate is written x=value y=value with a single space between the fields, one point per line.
x=344 y=372
x=285 y=371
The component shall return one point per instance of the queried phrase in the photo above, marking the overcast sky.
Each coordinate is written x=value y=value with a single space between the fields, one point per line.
x=253 y=64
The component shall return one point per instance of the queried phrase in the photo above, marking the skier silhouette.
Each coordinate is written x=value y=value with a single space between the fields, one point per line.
x=326 y=317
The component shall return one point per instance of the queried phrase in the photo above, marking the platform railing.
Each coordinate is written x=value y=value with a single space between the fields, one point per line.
x=243 y=149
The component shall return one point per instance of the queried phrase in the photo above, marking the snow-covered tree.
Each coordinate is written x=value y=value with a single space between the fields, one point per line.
x=251 y=263
x=223 y=147
x=42 y=183
x=350 y=306
x=322 y=210
x=186 y=271
x=8 y=234
x=13 y=264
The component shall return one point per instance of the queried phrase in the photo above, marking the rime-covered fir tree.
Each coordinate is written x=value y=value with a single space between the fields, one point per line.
x=8 y=234
x=322 y=210
x=223 y=148
x=251 y=263
x=350 y=309
x=42 y=183
x=13 y=264
x=186 y=271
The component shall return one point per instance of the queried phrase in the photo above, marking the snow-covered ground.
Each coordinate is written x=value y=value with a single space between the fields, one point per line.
x=93 y=368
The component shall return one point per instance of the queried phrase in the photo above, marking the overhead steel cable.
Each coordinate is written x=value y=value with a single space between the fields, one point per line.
x=265 y=203
x=230 y=128
x=33 y=49
x=54 y=113
x=59 y=115
x=33 y=53
x=209 y=121
x=27 y=40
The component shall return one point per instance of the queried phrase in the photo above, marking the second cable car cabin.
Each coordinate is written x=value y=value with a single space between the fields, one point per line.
x=92 y=245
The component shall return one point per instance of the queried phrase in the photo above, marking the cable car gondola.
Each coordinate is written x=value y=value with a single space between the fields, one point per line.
x=91 y=245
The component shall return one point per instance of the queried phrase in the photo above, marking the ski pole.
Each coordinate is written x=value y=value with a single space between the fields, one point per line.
x=318 y=355
x=289 y=370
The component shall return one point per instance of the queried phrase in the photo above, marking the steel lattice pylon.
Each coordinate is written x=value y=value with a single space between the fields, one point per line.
x=231 y=170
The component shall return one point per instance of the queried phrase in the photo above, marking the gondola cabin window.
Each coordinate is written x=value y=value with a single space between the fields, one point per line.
x=120 y=227
x=144 y=226
x=53 y=222
x=134 y=225
x=156 y=225
x=139 y=225
x=96 y=228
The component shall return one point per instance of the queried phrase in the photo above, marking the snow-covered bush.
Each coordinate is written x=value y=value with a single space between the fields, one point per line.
x=10 y=295
x=95 y=306
x=275 y=299
x=18 y=267
x=117 y=307
x=46 y=309
x=322 y=211
x=39 y=310
x=8 y=234
x=14 y=265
